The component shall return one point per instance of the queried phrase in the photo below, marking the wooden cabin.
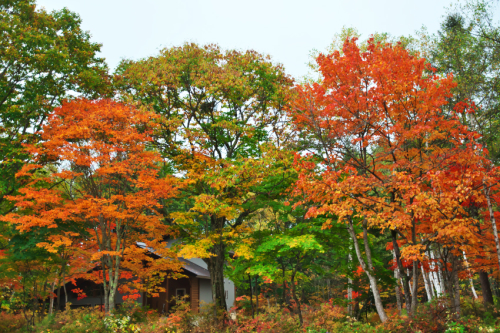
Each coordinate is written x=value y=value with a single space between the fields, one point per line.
x=197 y=285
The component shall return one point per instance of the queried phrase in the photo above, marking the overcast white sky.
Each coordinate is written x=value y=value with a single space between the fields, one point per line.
x=287 y=30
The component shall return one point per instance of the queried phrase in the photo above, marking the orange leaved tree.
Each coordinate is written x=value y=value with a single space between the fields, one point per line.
x=388 y=154
x=103 y=179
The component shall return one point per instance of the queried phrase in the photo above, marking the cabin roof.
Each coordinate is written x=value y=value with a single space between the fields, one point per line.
x=189 y=266
x=199 y=271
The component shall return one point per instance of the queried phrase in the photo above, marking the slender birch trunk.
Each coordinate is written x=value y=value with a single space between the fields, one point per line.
x=59 y=291
x=64 y=288
x=434 y=276
x=51 y=305
x=414 y=299
x=470 y=279
x=411 y=287
x=405 y=278
x=349 y=291
x=436 y=286
x=368 y=267
x=433 y=293
x=428 y=281
x=473 y=289
x=492 y=219
x=426 y=284
x=440 y=277
x=397 y=290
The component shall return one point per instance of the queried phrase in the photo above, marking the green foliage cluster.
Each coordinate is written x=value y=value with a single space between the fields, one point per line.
x=45 y=56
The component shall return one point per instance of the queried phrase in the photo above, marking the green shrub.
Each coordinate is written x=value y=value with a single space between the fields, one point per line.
x=83 y=320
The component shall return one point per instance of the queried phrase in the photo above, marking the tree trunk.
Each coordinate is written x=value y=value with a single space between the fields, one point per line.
x=251 y=296
x=114 y=275
x=105 y=286
x=397 y=290
x=109 y=268
x=427 y=283
x=495 y=287
x=473 y=290
x=483 y=276
x=296 y=299
x=414 y=300
x=450 y=289
x=216 y=268
x=349 y=296
x=64 y=288
x=256 y=294
x=452 y=285
x=110 y=285
x=405 y=281
x=329 y=289
x=486 y=289
x=441 y=276
x=431 y=285
x=285 y=298
x=470 y=279
x=275 y=287
x=356 y=310
x=492 y=219
x=35 y=302
x=349 y=291
x=59 y=287
x=368 y=267
x=436 y=286
x=456 y=290
x=41 y=312
x=51 y=305
x=409 y=282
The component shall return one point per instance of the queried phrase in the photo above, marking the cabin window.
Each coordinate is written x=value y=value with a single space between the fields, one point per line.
x=180 y=292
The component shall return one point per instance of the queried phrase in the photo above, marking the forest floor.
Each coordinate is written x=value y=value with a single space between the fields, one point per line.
x=319 y=318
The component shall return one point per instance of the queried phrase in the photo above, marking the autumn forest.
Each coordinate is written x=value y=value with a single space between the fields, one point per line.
x=363 y=197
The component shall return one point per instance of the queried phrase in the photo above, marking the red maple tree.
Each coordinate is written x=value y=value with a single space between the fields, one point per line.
x=94 y=170
x=390 y=158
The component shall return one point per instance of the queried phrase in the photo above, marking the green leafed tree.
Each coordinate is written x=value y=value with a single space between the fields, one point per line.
x=468 y=46
x=222 y=119
x=44 y=58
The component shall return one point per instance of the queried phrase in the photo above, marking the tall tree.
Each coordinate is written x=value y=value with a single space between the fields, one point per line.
x=108 y=183
x=43 y=57
x=385 y=145
x=468 y=46
x=220 y=112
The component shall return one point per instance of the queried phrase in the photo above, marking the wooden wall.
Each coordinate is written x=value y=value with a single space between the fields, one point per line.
x=195 y=294
x=164 y=303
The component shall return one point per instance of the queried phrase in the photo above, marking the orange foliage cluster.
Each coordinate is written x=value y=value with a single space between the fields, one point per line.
x=391 y=157
x=94 y=174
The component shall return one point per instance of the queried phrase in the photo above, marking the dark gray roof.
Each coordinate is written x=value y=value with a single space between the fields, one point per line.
x=189 y=266
x=199 y=271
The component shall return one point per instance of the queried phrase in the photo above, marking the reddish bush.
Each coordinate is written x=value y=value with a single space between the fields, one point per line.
x=10 y=322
